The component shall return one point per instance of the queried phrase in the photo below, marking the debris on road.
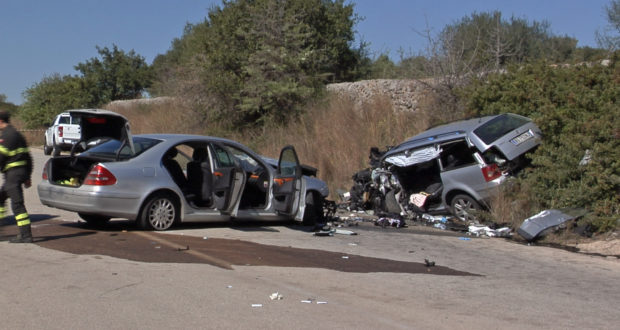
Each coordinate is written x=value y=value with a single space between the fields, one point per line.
x=429 y=263
x=276 y=296
x=479 y=230
x=539 y=224
x=390 y=222
x=344 y=232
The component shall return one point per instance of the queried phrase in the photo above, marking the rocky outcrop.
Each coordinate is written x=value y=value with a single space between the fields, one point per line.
x=405 y=95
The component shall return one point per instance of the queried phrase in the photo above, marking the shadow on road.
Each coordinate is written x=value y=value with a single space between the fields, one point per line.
x=121 y=239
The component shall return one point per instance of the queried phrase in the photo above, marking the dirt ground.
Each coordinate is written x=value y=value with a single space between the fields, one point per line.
x=608 y=247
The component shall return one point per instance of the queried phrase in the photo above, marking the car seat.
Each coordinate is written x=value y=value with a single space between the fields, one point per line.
x=173 y=167
x=200 y=178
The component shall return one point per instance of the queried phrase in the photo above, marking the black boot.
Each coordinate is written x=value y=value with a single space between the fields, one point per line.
x=24 y=236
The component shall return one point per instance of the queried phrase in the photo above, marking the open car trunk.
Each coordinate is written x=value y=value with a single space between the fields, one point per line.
x=69 y=171
x=97 y=126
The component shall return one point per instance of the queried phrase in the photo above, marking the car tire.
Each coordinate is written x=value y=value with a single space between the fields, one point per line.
x=159 y=212
x=391 y=204
x=314 y=209
x=55 y=149
x=47 y=150
x=94 y=220
x=465 y=208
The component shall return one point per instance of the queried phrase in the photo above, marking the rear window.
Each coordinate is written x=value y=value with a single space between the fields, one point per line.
x=109 y=149
x=499 y=126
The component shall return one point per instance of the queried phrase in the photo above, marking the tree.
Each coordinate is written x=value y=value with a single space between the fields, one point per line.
x=477 y=45
x=117 y=76
x=6 y=106
x=383 y=68
x=253 y=61
x=610 y=38
x=52 y=95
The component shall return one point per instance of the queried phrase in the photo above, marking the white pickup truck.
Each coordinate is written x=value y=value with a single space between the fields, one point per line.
x=62 y=134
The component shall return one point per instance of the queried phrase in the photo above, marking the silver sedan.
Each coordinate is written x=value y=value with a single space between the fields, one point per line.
x=162 y=179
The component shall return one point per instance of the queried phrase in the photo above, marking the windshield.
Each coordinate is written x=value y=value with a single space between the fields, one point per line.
x=499 y=126
x=110 y=148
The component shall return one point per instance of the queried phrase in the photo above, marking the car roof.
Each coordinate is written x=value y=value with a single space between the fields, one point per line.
x=441 y=133
x=176 y=138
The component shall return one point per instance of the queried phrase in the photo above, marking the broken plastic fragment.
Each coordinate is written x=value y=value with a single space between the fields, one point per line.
x=275 y=296
x=257 y=305
x=345 y=232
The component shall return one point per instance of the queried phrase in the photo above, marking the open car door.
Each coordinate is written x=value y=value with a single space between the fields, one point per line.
x=228 y=180
x=287 y=183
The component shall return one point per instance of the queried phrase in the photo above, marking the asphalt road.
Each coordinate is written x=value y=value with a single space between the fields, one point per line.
x=222 y=276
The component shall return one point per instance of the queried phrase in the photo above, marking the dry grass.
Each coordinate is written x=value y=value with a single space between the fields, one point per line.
x=163 y=116
x=336 y=136
x=34 y=137
x=510 y=205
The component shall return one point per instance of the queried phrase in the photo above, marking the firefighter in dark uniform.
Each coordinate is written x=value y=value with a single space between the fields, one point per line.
x=16 y=167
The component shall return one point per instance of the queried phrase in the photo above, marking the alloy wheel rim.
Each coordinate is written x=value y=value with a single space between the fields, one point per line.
x=161 y=214
x=463 y=209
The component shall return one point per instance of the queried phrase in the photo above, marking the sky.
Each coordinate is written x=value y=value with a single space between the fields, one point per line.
x=39 y=38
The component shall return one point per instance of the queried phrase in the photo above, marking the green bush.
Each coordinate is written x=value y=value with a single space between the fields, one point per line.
x=577 y=111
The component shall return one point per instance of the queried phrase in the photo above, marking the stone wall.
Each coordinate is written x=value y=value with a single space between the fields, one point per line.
x=405 y=95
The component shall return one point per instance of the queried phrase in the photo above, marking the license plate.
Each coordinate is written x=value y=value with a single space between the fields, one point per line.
x=522 y=138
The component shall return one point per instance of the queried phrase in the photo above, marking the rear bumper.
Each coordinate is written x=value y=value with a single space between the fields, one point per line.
x=88 y=200
x=66 y=144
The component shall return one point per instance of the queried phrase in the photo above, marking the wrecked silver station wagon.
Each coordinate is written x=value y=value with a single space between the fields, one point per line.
x=449 y=168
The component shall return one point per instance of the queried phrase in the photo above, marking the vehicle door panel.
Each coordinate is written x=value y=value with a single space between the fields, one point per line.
x=461 y=168
x=287 y=183
x=228 y=180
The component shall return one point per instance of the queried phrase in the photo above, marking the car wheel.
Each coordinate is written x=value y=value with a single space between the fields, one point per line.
x=55 y=149
x=391 y=204
x=94 y=220
x=47 y=150
x=314 y=209
x=160 y=212
x=465 y=208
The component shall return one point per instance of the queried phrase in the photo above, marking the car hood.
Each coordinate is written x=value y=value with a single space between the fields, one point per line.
x=103 y=124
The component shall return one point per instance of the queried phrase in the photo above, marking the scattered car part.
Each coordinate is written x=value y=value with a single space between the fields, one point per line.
x=537 y=225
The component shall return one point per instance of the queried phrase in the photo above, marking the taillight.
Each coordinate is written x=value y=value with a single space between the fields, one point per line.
x=60 y=129
x=99 y=176
x=491 y=172
x=45 y=168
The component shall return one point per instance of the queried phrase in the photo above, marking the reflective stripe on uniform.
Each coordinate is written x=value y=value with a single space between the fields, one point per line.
x=23 y=222
x=22 y=219
x=7 y=152
x=15 y=164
